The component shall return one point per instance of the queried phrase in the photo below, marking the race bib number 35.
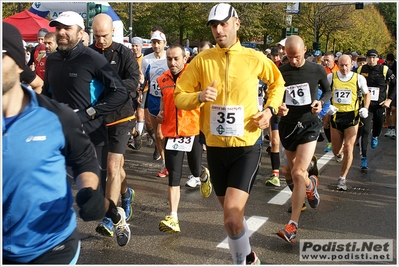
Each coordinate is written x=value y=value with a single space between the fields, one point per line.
x=227 y=120
x=182 y=143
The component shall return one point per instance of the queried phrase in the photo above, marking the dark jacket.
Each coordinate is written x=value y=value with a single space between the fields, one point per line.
x=82 y=78
x=122 y=59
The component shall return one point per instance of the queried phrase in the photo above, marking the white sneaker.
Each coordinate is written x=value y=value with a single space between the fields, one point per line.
x=340 y=157
x=388 y=133
x=122 y=229
x=341 y=184
x=393 y=134
x=193 y=181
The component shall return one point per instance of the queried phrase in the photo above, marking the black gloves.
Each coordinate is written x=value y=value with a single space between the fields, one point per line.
x=83 y=116
x=91 y=204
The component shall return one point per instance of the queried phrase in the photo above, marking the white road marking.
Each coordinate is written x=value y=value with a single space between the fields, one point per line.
x=254 y=223
x=282 y=197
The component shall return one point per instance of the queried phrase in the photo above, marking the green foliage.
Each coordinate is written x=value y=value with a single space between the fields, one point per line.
x=388 y=11
x=339 y=27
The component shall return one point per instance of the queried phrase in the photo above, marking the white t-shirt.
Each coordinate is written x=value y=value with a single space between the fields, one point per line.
x=152 y=68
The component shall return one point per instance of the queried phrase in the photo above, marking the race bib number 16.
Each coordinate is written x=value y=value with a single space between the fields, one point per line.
x=227 y=120
x=298 y=95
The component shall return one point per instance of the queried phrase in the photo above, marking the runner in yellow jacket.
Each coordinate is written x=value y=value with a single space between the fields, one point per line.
x=223 y=83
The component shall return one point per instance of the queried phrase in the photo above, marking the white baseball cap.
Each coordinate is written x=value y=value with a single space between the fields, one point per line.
x=157 y=35
x=282 y=42
x=68 y=18
x=221 y=12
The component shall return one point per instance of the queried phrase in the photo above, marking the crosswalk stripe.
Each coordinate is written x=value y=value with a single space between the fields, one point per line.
x=254 y=223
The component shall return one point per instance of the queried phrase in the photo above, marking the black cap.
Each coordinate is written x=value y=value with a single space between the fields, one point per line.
x=12 y=44
x=274 y=51
x=372 y=53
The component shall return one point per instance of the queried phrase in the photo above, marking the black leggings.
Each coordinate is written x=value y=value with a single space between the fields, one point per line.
x=174 y=162
x=375 y=120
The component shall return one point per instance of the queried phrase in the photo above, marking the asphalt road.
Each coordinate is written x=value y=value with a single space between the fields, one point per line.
x=367 y=210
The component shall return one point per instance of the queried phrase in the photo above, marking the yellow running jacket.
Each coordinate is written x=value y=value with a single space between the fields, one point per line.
x=237 y=71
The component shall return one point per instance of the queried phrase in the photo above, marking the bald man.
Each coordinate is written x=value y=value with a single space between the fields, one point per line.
x=120 y=122
x=300 y=126
x=345 y=123
x=85 y=39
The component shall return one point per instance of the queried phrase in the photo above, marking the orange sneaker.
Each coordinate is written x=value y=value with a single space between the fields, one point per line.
x=163 y=173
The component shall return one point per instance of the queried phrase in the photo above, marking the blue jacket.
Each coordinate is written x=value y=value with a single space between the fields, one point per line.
x=38 y=143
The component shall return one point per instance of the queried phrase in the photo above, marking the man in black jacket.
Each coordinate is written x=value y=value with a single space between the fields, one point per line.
x=120 y=122
x=83 y=79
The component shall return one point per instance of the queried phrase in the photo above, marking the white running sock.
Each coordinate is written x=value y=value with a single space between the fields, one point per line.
x=140 y=126
x=239 y=247
x=174 y=214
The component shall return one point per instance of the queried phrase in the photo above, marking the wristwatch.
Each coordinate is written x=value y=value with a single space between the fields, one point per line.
x=91 y=112
x=272 y=110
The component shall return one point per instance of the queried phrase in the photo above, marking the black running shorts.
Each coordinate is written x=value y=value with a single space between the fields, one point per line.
x=292 y=135
x=118 y=135
x=233 y=167
x=343 y=120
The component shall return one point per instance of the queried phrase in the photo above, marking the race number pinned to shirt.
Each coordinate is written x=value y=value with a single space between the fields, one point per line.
x=227 y=120
x=342 y=96
x=182 y=143
x=298 y=95
x=374 y=93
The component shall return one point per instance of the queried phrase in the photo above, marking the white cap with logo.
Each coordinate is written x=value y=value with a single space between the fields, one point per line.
x=158 y=36
x=68 y=18
x=221 y=12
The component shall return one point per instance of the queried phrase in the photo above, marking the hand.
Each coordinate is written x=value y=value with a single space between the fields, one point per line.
x=91 y=204
x=332 y=110
x=316 y=107
x=209 y=94
x=262 y=119
x=283 y=110
x=363 y=113
x=386 y=103
x=83 y=116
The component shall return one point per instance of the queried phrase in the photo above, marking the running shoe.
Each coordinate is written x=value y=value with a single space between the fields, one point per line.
x=193 y=181
x=169 y=225
x=255 y=261
x=289 y=210
x=341 y=184
x=149 y=139
x=364 y=164
x=131 y=145
x=314 y=170
x=122 y=230
x=137 y=141
x=163 y=173
x=206 y=186
x=273 y=180
x=328 y=148
x=340 y=157
x=105 y=227
x=393 y=136
x=127 y=203
x=288 y=233
x=388 y=133
x=313 y=195
x=374 y=142
x=156 y=155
